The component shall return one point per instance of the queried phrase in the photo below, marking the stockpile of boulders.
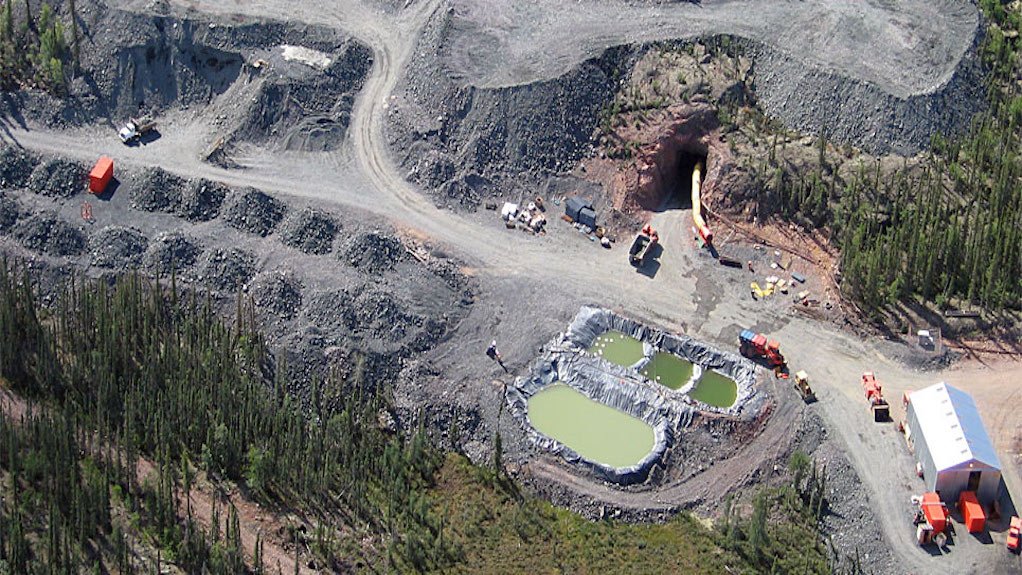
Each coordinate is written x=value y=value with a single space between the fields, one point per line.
x=45 y=232
x=309 y=230
x=170 y=252
x=117 y=247
x=372 y=252
x=157 y=191
x=226 y=269
x=58 y=178
x=254 y=212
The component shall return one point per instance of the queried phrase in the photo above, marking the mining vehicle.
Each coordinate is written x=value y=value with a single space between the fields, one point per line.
x=802 y=385
x=756 y=345
x=135 y=128
x=1014 y=532
x=642 y=246
x=875 y=396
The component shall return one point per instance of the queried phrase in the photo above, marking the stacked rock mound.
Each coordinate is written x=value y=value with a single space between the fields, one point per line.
x=201 y=201
x=277 y=293
x=170 y=252
x=157 y=191
x=254 y=212
x=10 y=211
x=58 y=178
x=226 y=269
x=16 y=167
x=47 y=233
x=373 y=252
x=117 y=247
x=311 y=231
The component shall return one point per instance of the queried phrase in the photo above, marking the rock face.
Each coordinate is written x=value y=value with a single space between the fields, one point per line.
x=465 y=144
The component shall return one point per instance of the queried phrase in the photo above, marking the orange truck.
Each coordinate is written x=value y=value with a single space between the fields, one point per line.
x=756 y=345
x=875 y=396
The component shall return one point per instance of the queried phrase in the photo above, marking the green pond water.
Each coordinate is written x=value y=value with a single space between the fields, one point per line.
x=618 y=348
x=595 y=431
x=668 y=370
x=715 y=389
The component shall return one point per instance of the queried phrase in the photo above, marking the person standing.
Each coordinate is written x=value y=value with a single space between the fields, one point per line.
x=493 y=353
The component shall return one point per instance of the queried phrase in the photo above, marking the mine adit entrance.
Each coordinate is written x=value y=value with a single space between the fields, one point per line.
x=677 y=186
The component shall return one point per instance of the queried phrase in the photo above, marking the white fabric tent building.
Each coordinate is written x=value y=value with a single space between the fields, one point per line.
x=950 y=443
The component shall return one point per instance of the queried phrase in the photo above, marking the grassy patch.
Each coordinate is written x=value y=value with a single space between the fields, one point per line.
x=499 y=531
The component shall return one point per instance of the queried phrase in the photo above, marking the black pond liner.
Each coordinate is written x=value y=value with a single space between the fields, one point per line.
x=567 y=360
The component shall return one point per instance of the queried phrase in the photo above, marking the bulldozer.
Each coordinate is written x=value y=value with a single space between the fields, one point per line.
x=875 y=396
x=803 y=388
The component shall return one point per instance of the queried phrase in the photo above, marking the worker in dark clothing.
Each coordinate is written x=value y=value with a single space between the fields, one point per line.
x=494 y=354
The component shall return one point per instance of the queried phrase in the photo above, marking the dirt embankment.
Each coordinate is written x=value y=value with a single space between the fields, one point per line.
x=465 y=144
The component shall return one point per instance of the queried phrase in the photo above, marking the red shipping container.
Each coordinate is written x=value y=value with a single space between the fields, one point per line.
x=972 y=512
x=101 y=175
x=933 y=510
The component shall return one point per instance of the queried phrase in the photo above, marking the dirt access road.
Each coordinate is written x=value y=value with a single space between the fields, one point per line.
x=923 y=39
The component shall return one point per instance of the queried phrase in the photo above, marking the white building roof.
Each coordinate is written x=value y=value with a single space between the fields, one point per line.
x=952 y=428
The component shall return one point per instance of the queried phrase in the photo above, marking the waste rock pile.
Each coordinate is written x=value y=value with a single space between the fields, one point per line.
x=170 y=252
x=373 y=252
x=58 y=178
x=117 y=247
x=226 y=269
x=157 y=191
x=45 y=232
x=277 y=293
x=10 y=211
x=309 y=230
x=254 y=212
x=201 y=200
x=16 y=166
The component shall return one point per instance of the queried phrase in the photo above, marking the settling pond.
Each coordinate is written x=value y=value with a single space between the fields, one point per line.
x=668 y=370
x=616 y=347
x=715 y=389
x=595 y=431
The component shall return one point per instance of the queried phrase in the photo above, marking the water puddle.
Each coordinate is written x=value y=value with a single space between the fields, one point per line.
x=595 y=431
x=616 y=347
